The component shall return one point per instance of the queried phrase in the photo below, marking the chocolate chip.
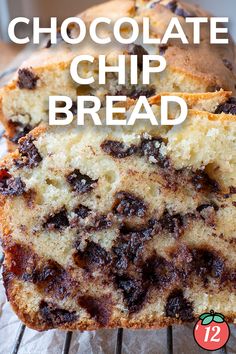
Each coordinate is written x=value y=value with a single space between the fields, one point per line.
x=82 y=211
x=92 y=256
x=228 y=64
x=20 y=259
x=172 y=5
x=134 y=292
x=50 y=271
x=158 y=271
x=182 y=13
x=207 y=263
x=30 y=156
x=81 y=183
x=177 y=306
x=203 y=183
x=27 y=79
x=201 y=207
x=10 y=186
x=98 y=308
x=100 y=222
x=151 y=149
x=59 y=37
x=118 y=149
x=129 y=246
x=174 y=223
x=135 y=49
x=58 y=221
x=74 y=108
x=162 y=49
x=127 y=204
x=55 y=316
x=179 y=11
x=21 y=131
x=142 y=91
x=228 y=107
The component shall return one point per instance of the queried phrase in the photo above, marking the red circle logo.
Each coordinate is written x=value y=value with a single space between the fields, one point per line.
x=211 y=332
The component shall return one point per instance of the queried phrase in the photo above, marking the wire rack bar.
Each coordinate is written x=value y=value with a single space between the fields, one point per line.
x=169 y=339
x=67 y=343
x=119 y=340
x=223 y=350
x=19 y=337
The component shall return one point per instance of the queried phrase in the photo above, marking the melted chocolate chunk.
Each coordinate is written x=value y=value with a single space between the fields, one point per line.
x=53 y=279
x=130 y=245
x=134 y=292
x=117 y=149
x=100 y=223
x=207 y=264
x=98 y=308
x=58 y=221
x=59 y=37
x=92 y=256
x=179 y=11
x=135 y=49
x=228 y=108
x=21 y=259
x=228 y=64
x=55 y=316
x=151 y=149
x=27 y=79
x=162 y=49
x=127 y=204
x=172 y=5
x=81 y=183
x=158 y=271
x=174 y=224
x=142 y=91
x=30 y=156
x=182 y=13
x=10 y=186
x=203 y=183
x=201 y=207
x=179 y=307
x=21 y=131
x=82 y=211
x=74 y=108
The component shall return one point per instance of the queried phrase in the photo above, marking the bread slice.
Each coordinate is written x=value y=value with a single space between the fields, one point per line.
x=130 y=227
x=190 y=68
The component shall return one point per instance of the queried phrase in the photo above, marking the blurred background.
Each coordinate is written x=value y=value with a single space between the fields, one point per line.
x=66 y=8
x=62 y=9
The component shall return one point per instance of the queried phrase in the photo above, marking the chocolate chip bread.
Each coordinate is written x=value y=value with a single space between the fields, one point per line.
x=122 y=227
x=190 y=68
